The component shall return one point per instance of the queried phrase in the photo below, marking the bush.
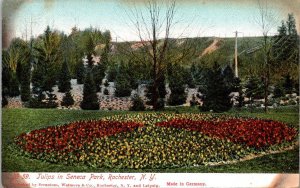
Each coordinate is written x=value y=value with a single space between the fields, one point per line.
x=67 y=100
x=194 y=102
x=138 y=104
x=106 y=84
x=90 y=98
x=4 y=101
x=106 y=92
x=40 y=101
x=64 y=84
x=216 y=92
x=14 y=87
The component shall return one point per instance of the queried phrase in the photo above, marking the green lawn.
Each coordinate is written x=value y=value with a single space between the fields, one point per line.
x=17 y=121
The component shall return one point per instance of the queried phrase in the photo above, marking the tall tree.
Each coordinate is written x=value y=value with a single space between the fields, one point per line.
x=154 y=29
x=80 y=72
x=122 y=82
x=215 y=93
x=64 y=78
x=177 y=82
x=90 y=98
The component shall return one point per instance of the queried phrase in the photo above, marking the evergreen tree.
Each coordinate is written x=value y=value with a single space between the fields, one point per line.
x=122 y=82
x=254 y=89
x=90 y=51
x=176 y=78
x=137 y=104
x=98 y=75
x=286 y=48
x=4 y=101
x=80 y=72
x=67 y=99
x=90 y=98
x=229 y=77
x=216 y=92
x=64 y=79
x=44 y=76
x=288 y=84
x=278 y=91
x=14 y=89
x=25 y=81
x=161 y=92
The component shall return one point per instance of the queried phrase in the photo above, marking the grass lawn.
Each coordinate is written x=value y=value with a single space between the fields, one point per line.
x=17 y=121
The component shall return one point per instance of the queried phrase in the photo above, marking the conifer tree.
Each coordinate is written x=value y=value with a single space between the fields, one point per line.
x=64 y=79
x=216 y=92
x=90 y=98
x=98 y=75
x=25 y=81
x=122 y=82
x=176 y=78
x=67 y=99
x=80 y=72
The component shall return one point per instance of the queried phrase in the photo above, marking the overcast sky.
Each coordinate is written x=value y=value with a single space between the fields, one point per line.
x=200 y=17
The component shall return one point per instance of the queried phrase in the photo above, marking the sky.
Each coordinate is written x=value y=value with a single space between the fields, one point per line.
x=196 y=18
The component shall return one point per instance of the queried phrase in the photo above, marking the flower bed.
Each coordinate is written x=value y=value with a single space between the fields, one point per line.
x=153 y=140
x=252 y=132
x=71 y=136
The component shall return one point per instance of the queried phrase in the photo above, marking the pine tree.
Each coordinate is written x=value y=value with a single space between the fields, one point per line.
x=25 y=81
x=137 y=104
x=288 y=84
x=64 y=79
x=80 y=72
x=176 y=78
x=98 y=75
x=67 y=99
x=161 y=92
x=14 y=89
x=122 y=82
x=216 y=93
x=90 y=98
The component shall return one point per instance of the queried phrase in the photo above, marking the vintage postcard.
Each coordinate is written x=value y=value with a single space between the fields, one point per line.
x=149 y=93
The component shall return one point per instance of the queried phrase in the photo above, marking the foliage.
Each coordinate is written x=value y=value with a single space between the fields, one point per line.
x=80 y=72
x=278 y=91
x=254 y=88
x=215 y=93
x=137 y=104
x=67 y=99
x=122 y=82
x=41 y=101
x=177 y=80
x=161 y=92
x=288 y=84
x=193 y=101
x=47 y=61
x=64 y=84
x=4 y=101
x=90 y=98
x=14 y=89
x=25 y=81
x=106 y=92
x=98 y=74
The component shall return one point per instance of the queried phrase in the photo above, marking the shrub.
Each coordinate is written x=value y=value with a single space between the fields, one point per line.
x=90 y=98
x=4 y=101
x=64 y=79
x=67 y=99
x=137 y=104
x=40 y=101
x=106 y=92
x=216 y=92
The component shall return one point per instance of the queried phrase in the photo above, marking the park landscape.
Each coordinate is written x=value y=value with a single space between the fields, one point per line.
x=84 y=102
